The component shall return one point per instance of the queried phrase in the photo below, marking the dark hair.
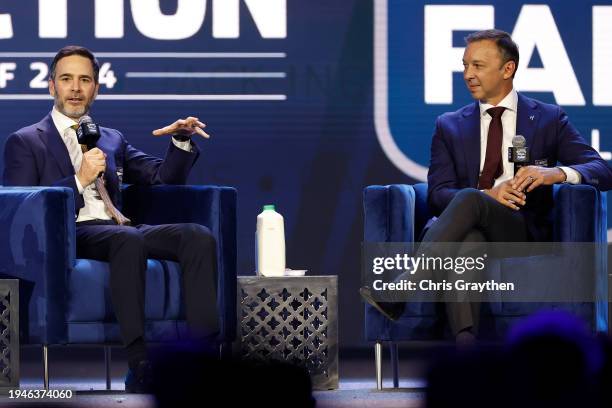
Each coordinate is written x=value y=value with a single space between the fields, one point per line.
x=507 y=48
x=75 y=50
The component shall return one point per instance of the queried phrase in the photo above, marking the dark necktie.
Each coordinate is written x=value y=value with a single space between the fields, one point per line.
x=493 y=165
x=108 y=203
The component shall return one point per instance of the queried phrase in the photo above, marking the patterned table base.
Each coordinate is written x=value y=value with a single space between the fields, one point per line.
x=291 y=319
x=9 y=334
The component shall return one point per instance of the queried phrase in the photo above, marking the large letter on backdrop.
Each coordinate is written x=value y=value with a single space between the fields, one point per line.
x=150 y=20
x=270 y=17
x=557 y=75
x=441 y=58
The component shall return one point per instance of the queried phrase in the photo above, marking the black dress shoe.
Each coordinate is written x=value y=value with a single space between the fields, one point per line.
x=140 y=379
x=391 y=310
x=465 y=340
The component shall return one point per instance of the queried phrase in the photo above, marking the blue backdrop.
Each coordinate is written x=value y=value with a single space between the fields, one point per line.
x=307 y=102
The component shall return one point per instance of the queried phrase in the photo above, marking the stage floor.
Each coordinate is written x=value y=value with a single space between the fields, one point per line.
x=81 y=369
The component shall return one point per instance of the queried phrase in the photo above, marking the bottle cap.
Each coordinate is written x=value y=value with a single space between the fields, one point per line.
x=268 y=207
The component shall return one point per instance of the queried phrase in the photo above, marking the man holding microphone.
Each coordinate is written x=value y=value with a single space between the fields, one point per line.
x=48 y=153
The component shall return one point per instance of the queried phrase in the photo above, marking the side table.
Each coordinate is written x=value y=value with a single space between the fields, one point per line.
x=292 y=319
x=9 y=334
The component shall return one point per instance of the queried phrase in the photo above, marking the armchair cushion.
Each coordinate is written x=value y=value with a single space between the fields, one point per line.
x=89 y=292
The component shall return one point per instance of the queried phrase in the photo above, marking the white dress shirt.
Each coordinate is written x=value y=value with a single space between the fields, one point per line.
x=94 y=208
x=510 y=102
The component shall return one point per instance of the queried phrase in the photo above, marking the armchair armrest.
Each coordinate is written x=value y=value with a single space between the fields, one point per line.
x=37 y=245
x=389 y=213
x=579 y=214
x=211 y=206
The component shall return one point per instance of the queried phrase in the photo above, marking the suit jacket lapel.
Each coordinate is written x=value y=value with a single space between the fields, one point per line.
x=527 y=117
x=470 y=135
x=52 y=139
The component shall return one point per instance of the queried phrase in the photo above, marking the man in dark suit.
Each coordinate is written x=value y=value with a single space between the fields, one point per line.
x=472 y=187
x=48 y=154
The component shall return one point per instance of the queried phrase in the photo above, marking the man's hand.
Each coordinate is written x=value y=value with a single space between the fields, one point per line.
x=183 y=127
x=530 y=177
x=507 y=195
x=94 y=163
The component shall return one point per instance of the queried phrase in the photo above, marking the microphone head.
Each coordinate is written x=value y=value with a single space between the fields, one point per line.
x=517 y=141
x=85 y=119
x=87 y=132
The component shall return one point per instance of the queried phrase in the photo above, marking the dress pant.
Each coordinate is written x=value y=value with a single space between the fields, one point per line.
x=126 y=249
x=472 y=217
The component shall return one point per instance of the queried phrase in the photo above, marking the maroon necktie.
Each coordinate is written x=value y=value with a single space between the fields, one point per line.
x=108 y=203
x=493 y=166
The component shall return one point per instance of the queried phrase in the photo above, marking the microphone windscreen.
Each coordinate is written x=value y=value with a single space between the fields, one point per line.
x=86 y=119
x=518 y=141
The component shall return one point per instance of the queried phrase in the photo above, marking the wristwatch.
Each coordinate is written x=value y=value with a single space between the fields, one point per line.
x=564 y=181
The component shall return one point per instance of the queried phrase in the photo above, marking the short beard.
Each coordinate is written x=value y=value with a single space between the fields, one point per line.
x=59 y=105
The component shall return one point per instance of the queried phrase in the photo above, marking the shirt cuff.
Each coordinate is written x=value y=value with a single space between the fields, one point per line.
x=78 y=184
x=571 y=175
x=186 y=145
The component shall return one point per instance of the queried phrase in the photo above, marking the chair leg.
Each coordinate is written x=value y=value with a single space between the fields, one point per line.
x=395 y=364
x=378 y=362
x=225 y=350
x=107 y=362
x=45 y=367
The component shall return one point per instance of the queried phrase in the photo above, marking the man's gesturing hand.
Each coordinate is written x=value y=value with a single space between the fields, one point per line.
x=185 y=127
x=507 y=195
x=94 y=163
x=530 y=177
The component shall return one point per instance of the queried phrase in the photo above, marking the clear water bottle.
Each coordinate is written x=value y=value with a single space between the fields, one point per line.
x=270 y=243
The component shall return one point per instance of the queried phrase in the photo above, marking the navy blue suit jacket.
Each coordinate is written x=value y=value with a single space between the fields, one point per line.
x=551 y=138
x=37 y=156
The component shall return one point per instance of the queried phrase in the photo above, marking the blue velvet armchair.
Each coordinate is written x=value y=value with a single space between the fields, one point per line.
x=398 y=213
x=67 y=300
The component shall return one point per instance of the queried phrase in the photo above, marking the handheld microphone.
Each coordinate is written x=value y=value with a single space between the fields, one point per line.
x=518 y=153
x=87 y=132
